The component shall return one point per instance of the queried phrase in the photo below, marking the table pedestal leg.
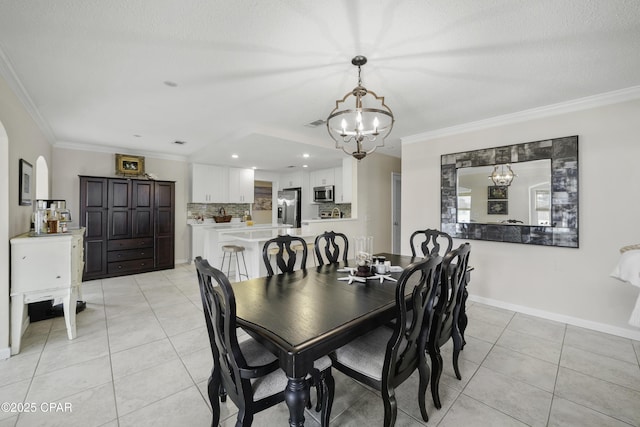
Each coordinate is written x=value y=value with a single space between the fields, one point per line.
x=296 y=395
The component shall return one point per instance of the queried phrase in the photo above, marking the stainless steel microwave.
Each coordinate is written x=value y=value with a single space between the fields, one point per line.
x=323 y=194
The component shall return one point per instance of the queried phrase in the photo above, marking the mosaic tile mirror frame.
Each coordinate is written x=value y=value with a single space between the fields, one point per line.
x=563 y=231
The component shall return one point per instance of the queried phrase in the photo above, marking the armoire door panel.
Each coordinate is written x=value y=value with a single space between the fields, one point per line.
x=120 y=225
x=94 y=222
x=95 y=263
x=96 y=193
x=142 y=195
x=119 y=194
x=142 y=224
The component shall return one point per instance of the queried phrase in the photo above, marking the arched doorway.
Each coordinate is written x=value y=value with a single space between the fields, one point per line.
x=42 y=178
x=5 y=351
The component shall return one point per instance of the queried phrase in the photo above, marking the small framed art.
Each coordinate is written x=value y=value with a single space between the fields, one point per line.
x=497 y=192
x=497 y=207
x=25 y=186
x=129 y=165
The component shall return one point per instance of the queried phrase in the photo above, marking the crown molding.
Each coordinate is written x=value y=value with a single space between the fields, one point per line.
x=594 y=101
x=113 y=150
x=9 y=75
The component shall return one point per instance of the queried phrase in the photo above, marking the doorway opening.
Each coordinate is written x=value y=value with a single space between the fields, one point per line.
x=262 y=212
x=396 y=204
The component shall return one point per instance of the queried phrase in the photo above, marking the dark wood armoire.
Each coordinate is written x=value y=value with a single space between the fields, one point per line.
x=130 y=225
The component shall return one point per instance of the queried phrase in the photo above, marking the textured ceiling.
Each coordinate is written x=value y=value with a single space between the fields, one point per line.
x=251 y=74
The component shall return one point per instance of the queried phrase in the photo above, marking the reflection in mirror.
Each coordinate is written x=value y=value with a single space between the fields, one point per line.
x=525 y=201
x=547 y=211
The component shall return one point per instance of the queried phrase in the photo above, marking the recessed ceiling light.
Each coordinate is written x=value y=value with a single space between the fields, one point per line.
x=170 y=83
x=180 y=142
x=305 y=155
x=305 y=166
x=235 y=156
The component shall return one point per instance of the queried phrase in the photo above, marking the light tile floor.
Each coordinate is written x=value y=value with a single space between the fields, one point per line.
x=142 y=358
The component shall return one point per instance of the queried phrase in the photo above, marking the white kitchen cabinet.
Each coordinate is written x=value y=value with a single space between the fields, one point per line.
x=291 y=180
x=240 y=185
x=344 y=181
x=221 y=184
x=208 y=183
x=322 y=177
x=197 y=232
x=45 y=268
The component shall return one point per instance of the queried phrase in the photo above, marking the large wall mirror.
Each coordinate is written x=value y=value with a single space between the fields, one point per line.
x=539 y=206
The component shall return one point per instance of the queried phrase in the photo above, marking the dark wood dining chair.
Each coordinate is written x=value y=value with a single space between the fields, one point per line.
x=385 y=357
x=429 y=242
x=325 y=244
x=431 y=245
x=285 y=254
x=444 y=324
x=247 y=372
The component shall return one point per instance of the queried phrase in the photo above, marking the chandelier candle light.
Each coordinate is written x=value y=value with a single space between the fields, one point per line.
x=502 y=177
x=366 y=125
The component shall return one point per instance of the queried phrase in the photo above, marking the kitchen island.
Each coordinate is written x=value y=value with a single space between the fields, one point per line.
x=253 y=240
x=197 y=231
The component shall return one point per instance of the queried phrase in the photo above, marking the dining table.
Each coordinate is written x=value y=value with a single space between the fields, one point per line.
x=307 y=314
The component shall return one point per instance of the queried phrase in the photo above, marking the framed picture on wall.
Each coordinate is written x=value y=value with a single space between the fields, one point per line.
x=25 y=183
x=497 y=192
x=129 y=165
x=497 y=207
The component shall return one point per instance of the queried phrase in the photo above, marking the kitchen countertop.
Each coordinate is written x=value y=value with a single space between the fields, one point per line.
x=234 y=225
x=326 y=219
x=254 y=236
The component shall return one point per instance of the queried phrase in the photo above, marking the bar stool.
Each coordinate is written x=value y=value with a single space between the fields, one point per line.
x=234 y=249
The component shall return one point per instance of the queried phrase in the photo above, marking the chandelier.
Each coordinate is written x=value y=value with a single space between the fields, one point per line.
x=502 y=177
x=361 y=129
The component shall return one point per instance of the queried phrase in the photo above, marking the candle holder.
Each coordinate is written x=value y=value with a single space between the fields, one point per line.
x=364 y=250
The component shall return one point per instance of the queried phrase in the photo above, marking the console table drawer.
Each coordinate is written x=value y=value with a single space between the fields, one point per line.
x=114 y=256
x=137 y=265
x=116 y=245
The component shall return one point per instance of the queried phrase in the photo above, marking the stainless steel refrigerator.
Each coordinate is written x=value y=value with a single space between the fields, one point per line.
x=289 y=207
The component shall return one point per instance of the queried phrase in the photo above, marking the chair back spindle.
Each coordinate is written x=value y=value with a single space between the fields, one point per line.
x=431 y=243
x=325 y=244
x=286 y=256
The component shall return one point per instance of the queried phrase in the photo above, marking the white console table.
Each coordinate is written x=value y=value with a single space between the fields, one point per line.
x=43 y=268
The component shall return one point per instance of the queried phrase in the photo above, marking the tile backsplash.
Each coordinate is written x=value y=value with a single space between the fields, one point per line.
x=236 y=210
x=345 y=208
x=208 y=210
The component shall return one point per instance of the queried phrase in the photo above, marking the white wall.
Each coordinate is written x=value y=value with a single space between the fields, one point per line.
x=572 y=285
x=374 y=198
x=5 y=351
x=25 y=141
x=67 y=164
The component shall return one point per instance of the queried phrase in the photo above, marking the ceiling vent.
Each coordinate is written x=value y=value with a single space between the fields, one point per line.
x=316 y=123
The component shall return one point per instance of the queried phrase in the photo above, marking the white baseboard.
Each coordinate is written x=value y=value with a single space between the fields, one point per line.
x=5 y=353
x=587 y=324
